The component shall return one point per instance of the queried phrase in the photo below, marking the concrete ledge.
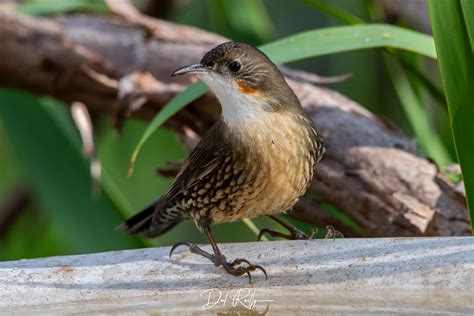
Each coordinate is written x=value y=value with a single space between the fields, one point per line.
x=408 y=275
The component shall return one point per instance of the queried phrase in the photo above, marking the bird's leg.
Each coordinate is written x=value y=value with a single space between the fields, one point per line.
x=295 y=233
x=233 y=267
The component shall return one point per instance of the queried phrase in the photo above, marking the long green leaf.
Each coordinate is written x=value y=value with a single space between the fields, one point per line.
x=427 y=83
x=50 y=7
x=41 y=134
x=348 y=38
x=426 y=136
x=453 y=22
x=468 y=12
x=304 y=45
x=193 y=92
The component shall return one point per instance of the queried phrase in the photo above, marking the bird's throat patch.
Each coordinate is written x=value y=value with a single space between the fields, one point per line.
x=245 y=88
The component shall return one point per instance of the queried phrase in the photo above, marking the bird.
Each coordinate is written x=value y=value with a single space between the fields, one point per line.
x=258 y=159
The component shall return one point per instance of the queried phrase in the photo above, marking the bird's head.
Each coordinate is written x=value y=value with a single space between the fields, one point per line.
x=244 y=79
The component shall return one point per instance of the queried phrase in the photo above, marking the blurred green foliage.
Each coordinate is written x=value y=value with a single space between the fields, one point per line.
x=453 y=29
x=57 y=171
x=41 y=148
x=49 y=7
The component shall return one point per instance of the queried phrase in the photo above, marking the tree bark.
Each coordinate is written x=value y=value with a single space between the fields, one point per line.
x=370 y=171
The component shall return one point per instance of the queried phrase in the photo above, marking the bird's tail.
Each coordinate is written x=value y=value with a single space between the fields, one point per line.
x=141 y=223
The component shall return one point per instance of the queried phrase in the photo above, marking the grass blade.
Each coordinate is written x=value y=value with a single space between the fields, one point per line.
x=193 y=92
x=241 y=19
x=425 y=134
x=453 y=22
x=50 y=7
x=249 y=18
x=347 y=38
x=430 y=86
x=335 y=12
x=468 y=12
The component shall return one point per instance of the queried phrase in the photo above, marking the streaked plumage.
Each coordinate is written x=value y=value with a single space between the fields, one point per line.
x=259 y=157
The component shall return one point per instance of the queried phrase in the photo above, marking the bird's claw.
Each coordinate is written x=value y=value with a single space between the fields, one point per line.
x=250 y=266
x=329 y=233
x=332 y=233
x=296 y=234
x=313 y=232
x=234 y=267
x=182 y=243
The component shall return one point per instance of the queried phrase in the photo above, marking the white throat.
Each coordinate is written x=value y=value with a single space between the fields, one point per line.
x=237 y=107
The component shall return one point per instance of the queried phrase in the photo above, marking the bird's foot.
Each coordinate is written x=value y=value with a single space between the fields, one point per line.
x=296 y=234
x=331 y=233
x=234 y=267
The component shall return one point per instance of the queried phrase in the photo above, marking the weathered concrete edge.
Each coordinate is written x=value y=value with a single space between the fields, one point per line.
x=406 y=269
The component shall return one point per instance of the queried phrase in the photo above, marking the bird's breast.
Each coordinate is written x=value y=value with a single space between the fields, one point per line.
x=278 y=154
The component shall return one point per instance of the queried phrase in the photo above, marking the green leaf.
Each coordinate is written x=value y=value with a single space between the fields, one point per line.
x=431 y=87
x=304 y=45
x=453 y=22
x=249 y=18
x=193 y=92
x=244 y=19
x=50 y=7
x=342 y=217
x=335 y=213
x=12 y=173
x=41 y=133
x=468 y=12
x=419 y=121
x=347 y=38
x=41 y=240
x=335 y=12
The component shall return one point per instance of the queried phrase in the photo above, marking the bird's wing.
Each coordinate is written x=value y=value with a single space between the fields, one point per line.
x=203 y=160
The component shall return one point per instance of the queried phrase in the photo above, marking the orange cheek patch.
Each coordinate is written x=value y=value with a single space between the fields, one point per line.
x=245 y=88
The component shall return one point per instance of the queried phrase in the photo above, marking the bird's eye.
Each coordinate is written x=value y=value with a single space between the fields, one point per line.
x=235 y=66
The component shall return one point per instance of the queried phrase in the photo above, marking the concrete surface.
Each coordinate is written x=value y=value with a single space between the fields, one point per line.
x=387 y=275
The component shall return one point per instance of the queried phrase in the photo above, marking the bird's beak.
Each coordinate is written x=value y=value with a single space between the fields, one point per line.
x=191 y=69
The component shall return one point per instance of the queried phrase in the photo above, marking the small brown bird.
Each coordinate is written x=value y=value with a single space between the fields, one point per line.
x=257 y=159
